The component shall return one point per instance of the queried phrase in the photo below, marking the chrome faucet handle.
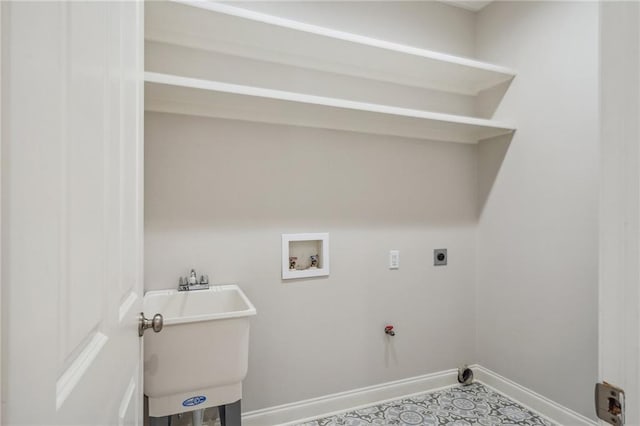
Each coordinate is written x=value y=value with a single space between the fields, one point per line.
x=183 y=284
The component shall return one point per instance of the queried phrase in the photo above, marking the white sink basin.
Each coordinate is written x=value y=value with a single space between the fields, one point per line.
x=199 y=359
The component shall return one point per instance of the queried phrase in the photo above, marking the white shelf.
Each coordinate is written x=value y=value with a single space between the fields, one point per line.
x=183 y=95
x=236 y=31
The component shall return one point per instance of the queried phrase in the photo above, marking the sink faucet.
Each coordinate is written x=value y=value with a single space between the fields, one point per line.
x=193 y=277
x=192 y=283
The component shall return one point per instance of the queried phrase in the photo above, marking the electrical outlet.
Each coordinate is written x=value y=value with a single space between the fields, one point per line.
x=394 y=259
x=440 y=257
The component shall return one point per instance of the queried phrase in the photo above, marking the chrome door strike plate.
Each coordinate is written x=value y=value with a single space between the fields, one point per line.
x=610 y=403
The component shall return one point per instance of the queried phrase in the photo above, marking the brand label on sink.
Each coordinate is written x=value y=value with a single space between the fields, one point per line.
x=194 y=400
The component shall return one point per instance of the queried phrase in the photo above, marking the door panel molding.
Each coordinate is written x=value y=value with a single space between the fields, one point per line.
x=126 y=305
x=126 y=412
x=73 y=374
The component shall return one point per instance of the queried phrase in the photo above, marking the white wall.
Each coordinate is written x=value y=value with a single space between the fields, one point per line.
x=619 y=333
x=538 y=230
x=219 y=194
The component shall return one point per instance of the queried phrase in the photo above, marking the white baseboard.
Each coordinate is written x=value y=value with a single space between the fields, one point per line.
x=553 y=411
x=301 y=411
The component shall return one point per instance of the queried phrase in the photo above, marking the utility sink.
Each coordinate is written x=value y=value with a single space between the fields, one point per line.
x=200 y=358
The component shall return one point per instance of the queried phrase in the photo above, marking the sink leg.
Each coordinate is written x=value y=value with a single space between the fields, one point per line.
x=230 y=414
x=197 y=417
x=160 y=421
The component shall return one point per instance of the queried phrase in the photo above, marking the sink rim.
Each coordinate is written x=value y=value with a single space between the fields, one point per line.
x=250 y=311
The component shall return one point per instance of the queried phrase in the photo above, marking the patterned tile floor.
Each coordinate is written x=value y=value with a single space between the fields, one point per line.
x=458 y=406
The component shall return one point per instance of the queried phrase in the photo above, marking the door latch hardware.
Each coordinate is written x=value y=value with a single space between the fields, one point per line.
x=610 y=403
x=143 y=323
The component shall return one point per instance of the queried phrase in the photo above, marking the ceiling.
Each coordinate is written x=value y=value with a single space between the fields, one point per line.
x=474 y=5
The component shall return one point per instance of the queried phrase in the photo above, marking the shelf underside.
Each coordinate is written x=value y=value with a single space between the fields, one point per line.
x=236 y=31
x=174 y=94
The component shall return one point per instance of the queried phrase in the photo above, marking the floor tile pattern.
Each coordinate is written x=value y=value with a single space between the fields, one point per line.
x=473 y=405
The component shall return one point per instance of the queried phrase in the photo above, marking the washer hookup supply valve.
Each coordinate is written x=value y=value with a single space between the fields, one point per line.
x=389 y=330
